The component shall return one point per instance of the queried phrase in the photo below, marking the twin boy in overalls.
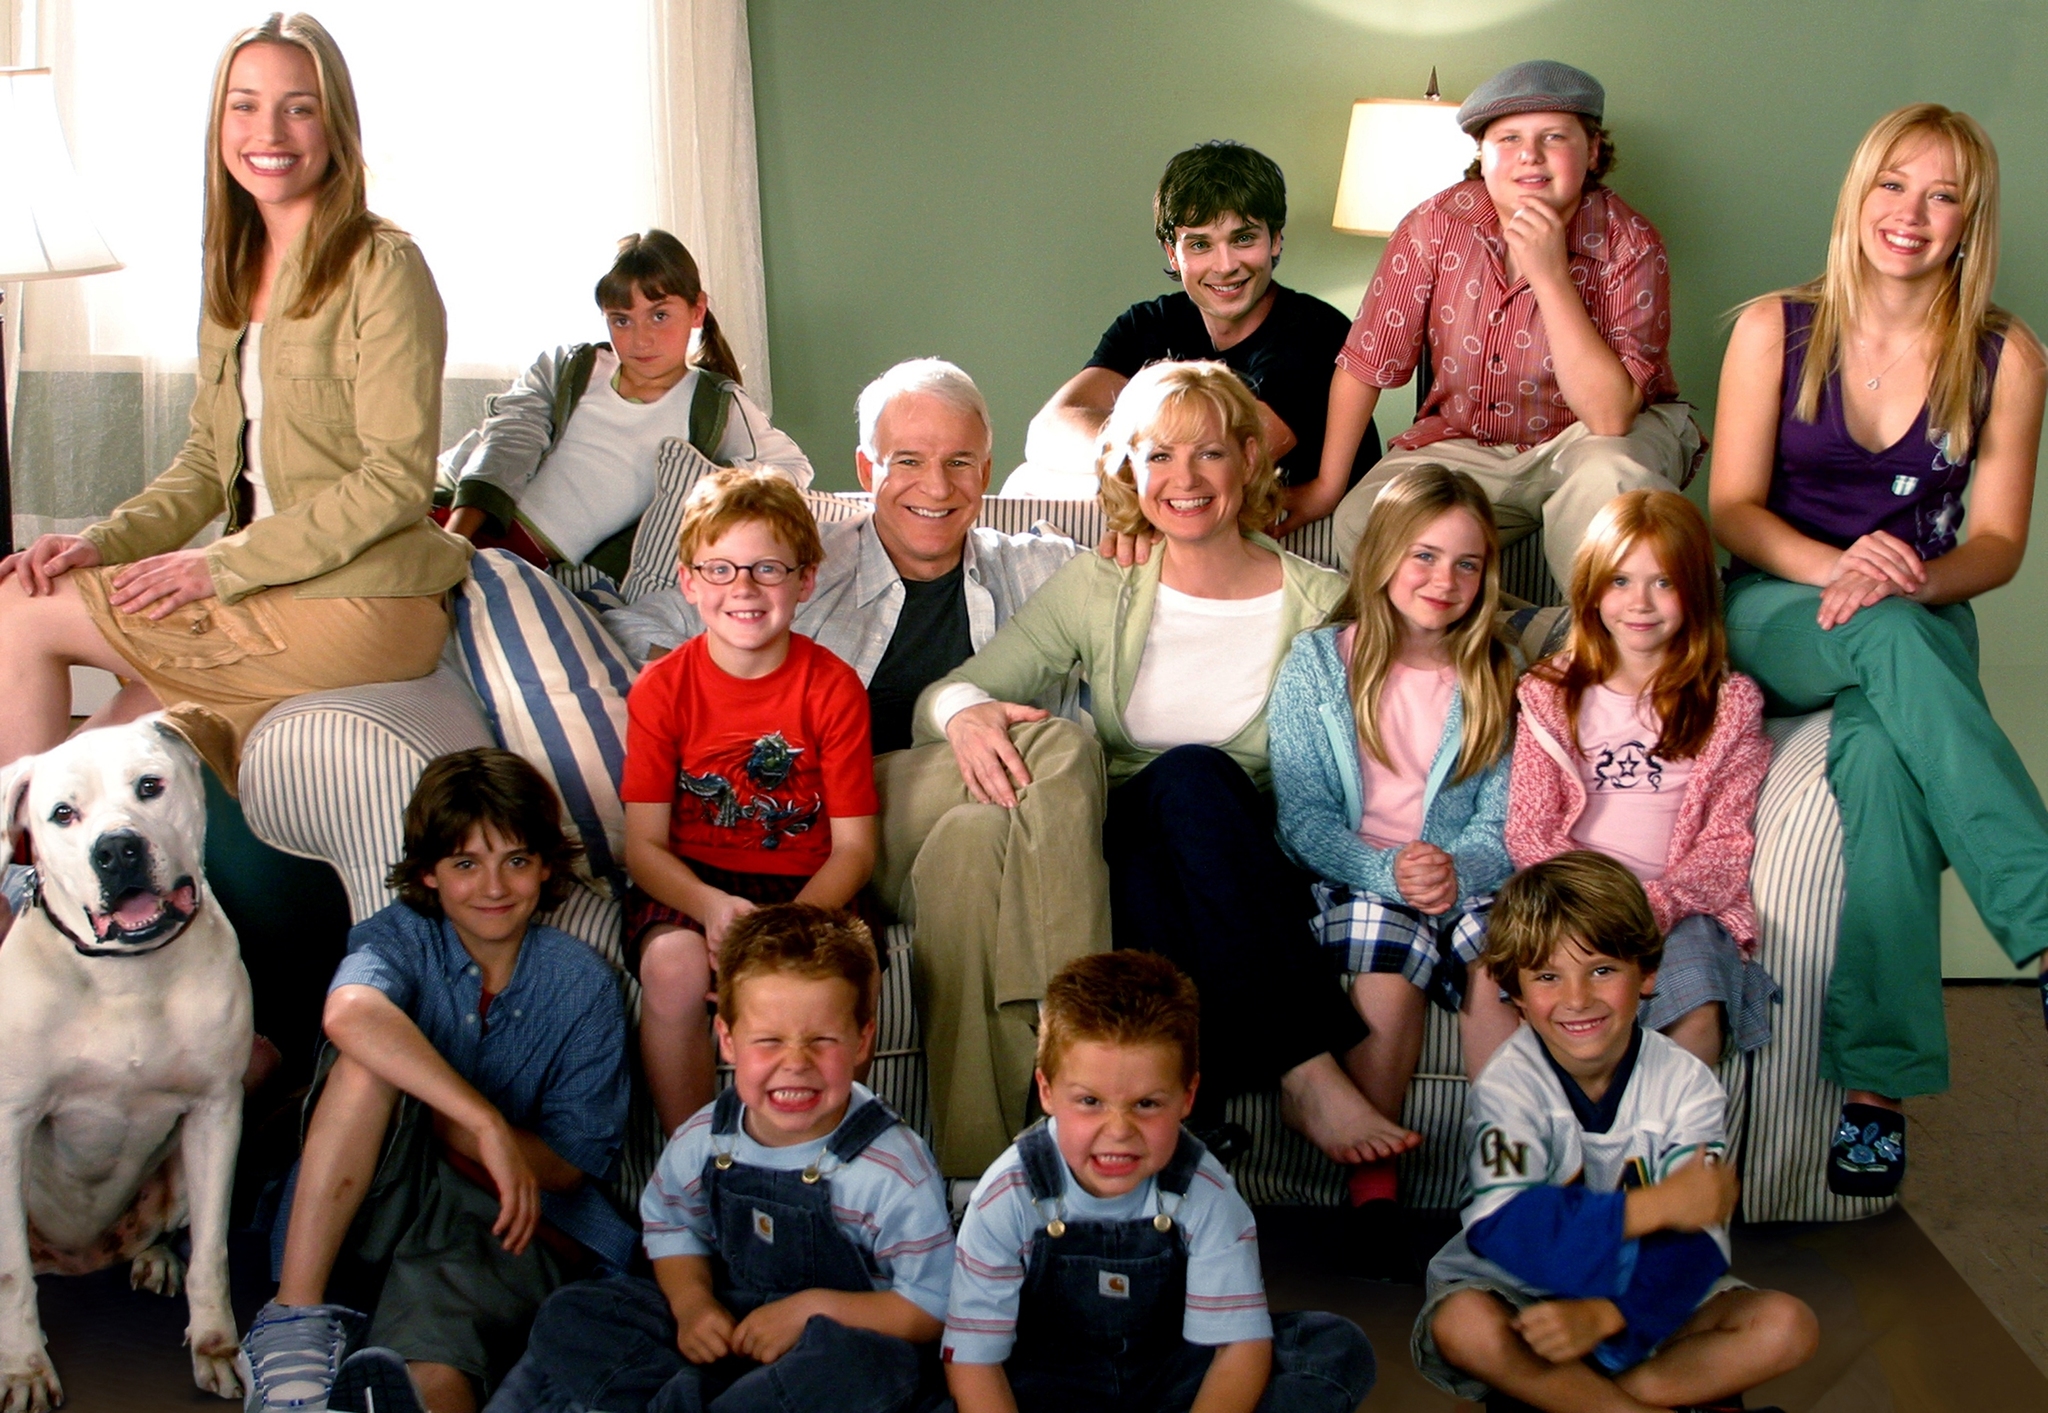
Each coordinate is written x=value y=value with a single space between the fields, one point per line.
x=803 y=1253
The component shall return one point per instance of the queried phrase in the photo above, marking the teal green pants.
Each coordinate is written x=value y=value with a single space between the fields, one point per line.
x=1925 y=779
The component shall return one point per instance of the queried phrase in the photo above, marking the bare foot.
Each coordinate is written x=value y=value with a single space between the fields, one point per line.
x=1877 y=1101
x=1318 y=1101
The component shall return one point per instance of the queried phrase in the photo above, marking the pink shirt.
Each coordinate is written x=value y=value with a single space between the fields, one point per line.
x=1445 y=270
x=1632 y=794
x=1414 y=704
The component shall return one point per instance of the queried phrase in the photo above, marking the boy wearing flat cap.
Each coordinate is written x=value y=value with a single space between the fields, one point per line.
x=1544 y=305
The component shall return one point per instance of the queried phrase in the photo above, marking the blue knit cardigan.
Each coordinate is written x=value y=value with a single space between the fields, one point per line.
x=1318 y=785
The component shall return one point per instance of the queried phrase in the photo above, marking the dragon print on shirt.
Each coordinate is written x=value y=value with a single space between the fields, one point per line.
x=1629 y=765
x=752 y=804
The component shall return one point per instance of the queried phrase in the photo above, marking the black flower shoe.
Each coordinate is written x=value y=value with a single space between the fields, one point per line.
x=1868 y=1155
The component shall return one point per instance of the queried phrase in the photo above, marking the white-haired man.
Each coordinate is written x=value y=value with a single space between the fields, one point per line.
x=1001 y=895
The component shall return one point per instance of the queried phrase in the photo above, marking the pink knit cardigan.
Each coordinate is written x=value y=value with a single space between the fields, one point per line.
x=1707 y=869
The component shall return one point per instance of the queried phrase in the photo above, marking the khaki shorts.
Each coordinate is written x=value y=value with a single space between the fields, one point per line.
x=420 y=1255
x=217 y=667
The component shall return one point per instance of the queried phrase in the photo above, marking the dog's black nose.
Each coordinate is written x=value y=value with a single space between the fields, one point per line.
x=121 y=859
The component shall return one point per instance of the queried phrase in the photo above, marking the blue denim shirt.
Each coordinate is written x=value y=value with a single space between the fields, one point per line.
x=552 y=1057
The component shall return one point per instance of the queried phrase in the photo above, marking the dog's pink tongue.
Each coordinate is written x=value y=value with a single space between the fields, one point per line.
x=137 y=910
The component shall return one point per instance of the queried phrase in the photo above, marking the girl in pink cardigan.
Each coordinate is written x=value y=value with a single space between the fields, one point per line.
x=1637 y=741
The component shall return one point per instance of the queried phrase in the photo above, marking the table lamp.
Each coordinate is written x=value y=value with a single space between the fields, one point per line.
x=1401 y=151
x=45 y=233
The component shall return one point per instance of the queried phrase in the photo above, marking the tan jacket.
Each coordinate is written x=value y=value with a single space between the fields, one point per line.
x=352 y=417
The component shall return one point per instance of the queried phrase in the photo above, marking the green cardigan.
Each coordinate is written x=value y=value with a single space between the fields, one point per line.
x=1095 y=616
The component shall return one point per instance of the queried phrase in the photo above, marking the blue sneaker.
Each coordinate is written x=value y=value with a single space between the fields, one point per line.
x=374 y=1380
x=292 y=1354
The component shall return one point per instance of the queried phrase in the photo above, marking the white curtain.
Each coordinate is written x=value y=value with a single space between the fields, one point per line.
x=516 y=142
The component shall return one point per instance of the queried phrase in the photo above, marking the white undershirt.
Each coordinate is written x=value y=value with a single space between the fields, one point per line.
x=252 y=414
x=1207 y=668
x=601 y=474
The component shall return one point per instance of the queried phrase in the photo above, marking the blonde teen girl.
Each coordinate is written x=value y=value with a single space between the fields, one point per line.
x=1390 y=743
x=1854 y=412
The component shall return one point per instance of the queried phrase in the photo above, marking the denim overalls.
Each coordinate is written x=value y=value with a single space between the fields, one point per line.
x=776 y=1232
x=611 y=1344
x=1100 y=1316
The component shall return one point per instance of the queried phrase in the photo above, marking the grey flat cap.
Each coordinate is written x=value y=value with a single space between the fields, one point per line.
x=1533 y=86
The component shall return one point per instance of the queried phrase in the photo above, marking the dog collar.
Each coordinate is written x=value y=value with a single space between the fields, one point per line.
x=36 y=901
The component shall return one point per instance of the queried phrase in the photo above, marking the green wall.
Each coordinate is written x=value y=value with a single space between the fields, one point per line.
x=972 y=178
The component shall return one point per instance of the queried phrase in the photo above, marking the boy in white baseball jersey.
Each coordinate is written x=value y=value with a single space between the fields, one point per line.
x=1592 y=1271
x=1106 y=1260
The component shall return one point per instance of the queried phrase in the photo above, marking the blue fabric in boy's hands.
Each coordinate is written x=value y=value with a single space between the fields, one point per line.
x=1565 y=1240
x=1673 y=1273
x=1568 y=1241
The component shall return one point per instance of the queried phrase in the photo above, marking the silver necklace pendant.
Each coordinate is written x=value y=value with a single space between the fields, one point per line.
x=1872 y=383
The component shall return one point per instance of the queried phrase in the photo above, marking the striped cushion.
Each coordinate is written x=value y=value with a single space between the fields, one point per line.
x=1797 y=883
x=326 y=775
x=553 y=685
x=676 y=473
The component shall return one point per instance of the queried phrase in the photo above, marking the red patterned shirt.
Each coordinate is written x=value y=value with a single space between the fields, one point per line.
x=1446 y=266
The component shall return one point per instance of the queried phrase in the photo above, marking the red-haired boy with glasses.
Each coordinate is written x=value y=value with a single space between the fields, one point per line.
x=749 y=778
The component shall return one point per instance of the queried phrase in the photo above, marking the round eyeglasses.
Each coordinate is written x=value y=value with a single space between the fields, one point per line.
x=766 y=572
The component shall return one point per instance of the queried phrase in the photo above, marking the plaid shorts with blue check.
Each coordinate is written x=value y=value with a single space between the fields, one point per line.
x=1376 y=934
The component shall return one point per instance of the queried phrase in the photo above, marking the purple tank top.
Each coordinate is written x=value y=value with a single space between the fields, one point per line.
x=1828 y=486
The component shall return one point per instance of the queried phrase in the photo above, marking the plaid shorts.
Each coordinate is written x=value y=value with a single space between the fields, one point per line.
x=1376 y=934
x=644 y=912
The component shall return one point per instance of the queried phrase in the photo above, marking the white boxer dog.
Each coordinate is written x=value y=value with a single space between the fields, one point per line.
x=124 y=1033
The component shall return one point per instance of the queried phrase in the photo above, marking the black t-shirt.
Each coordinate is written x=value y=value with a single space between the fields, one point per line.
x=1286 y=362
x=931 y=639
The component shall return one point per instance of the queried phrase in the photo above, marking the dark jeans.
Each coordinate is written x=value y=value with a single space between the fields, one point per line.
x=611 y=1344
x=1321 y=1364
x=1196 y=875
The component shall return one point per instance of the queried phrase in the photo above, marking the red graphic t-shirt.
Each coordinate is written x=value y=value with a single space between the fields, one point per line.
x=754 y=769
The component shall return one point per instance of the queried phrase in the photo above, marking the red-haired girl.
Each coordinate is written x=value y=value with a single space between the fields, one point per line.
x=1638 y=741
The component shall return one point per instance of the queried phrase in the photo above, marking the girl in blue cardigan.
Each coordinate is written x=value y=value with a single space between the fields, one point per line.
x=1390 y=739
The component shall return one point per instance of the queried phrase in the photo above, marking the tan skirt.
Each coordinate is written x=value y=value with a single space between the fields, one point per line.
x=217 y=668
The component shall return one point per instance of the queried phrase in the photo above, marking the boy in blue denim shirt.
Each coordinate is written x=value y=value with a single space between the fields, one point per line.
x=470 y=1100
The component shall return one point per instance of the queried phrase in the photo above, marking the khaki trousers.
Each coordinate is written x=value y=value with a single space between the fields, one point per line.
x=1558 y=486
x=1000 y=899
x=219 y=668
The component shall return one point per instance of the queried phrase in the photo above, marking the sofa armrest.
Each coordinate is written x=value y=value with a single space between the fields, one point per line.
x=327 y=775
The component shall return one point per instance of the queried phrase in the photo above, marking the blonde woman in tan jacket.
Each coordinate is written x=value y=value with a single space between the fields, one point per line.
x=313 y=432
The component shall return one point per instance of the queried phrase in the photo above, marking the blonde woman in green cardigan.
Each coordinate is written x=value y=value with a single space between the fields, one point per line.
x=1179 y=654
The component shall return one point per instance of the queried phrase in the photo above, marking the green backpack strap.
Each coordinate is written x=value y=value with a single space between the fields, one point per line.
x=710 y=407
x=573 y=383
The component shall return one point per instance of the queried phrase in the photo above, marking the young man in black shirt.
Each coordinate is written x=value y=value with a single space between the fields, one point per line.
x=1218 y=214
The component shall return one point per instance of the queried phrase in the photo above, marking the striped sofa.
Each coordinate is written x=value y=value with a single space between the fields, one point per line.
x=327 y=775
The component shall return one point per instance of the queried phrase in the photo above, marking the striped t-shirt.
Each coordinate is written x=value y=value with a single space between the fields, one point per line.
x=1226 y=1299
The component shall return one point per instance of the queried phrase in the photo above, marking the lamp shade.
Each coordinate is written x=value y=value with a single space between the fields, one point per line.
x=45 y=232
x=1400 y=151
